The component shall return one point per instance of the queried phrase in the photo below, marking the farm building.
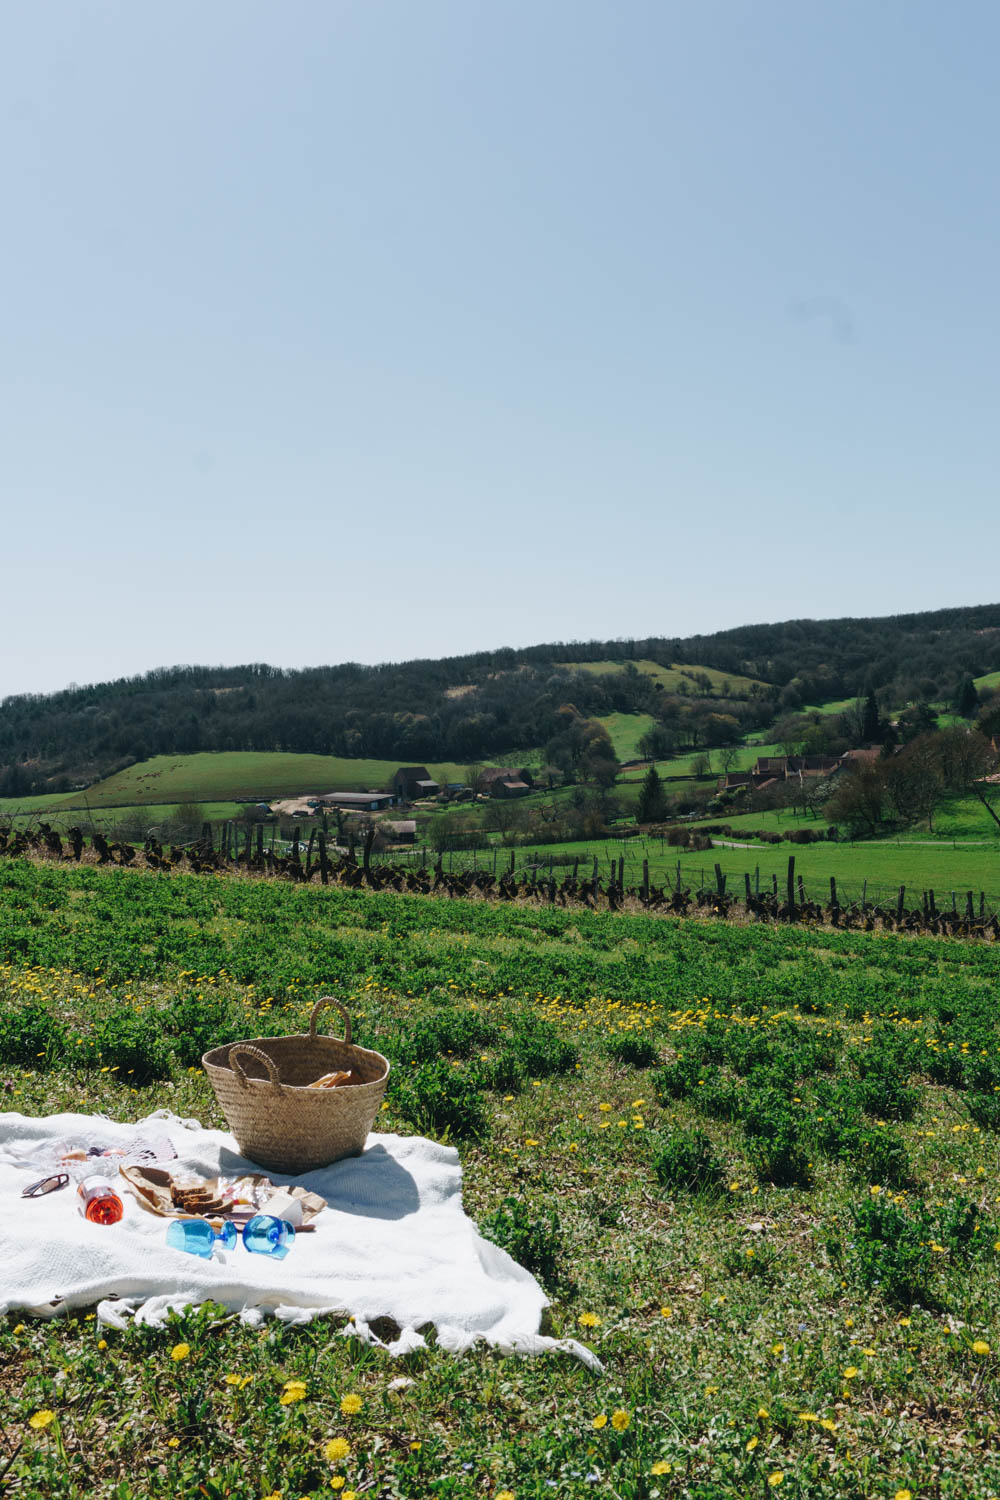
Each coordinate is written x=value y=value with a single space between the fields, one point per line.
x=357 y=801
x=400 y=831
x=411 y=782
x=504 y=781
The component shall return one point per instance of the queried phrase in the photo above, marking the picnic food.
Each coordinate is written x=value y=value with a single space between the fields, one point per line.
x=335 y=1080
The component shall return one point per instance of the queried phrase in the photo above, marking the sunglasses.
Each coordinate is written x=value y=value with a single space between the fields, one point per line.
x=46 y=1185
x=262 y=1235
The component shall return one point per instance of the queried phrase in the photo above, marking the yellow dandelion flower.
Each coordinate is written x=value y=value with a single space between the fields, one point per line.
x=41 y=1419
x=173 y=1442
x=752 y=1443
x=336 y=1450
x=505 y=1495
x=351 y=1405
x=903 y=1495
x=588 y=1320
x=980 y=1346
x=830 y=1426
x=179 y=1352
x=775 y=1478
x=337 y=1482
x=601 y=1420
x=666 y=1312
x=851 y=1372
x=620 y=1420
x=660 y=1467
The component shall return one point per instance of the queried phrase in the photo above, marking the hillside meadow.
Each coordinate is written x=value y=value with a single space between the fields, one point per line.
x=756 y=1170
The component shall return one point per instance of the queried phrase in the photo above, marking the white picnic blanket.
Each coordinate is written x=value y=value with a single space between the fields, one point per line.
x=394 y=1242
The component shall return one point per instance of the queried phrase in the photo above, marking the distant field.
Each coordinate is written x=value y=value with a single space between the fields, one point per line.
x=107 y=819
x=940 y=868
x=671 y=677
x=225 y=775
x=988 y=683
x=626 y=730
x=837 y=707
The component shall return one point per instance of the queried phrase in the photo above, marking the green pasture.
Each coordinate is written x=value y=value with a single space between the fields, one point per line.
x=626 y=730
x=671 y=677
x=230 y=774
x=755 y=1170
x=988 y=683
x=941 y=867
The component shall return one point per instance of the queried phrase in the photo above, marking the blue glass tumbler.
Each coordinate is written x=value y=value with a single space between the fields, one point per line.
x=197 y=1236
x=266 y=1235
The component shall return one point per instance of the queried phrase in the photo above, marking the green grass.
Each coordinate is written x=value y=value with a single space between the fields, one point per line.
x=988 y=683
x=941 y=868
x=225 y=775
x=670 y=678
x=626 y=730
x=748 y=1330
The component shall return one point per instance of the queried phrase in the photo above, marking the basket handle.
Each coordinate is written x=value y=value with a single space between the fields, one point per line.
x=321 y=1005
x=262 y=1057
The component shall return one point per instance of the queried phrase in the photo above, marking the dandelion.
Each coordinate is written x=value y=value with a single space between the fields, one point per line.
x=980 y=1346
x=588 y=1320
x=294 y=1390
x=102 y=1343
x=179 y=1352
x=604 y=1108
x=826 y=1422
x=337 y=1482
x=505 y=1495
x=336 y=1450
x=752 y=1443
x=808 y=1416
x=777 y=1349
x=775 y=1478
x=41 y=1419
x=173 y=1442
x=903 y=1495
x=239 y=1380
x=351 y=1405
x=851 y=1372
x=666 y=1312
x=20 y=1326
x=620 y=1420
x=601 y=1420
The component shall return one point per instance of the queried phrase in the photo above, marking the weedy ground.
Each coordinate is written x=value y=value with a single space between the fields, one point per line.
x=756 y=1171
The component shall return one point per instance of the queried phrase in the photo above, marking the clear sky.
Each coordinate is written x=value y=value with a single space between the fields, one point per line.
x=362 y=331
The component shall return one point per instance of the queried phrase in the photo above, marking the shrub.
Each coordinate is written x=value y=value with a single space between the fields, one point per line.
x=542 y=1051
x=533 y=1239
x=32 y=1036
x=134 y=1046
x=685 y=1162
x=984 y=1108
x=441 y=1100
x=782 y=1158
x=196 y=1026
x=877 y=1156
x=890 y=1251
x=886 y=1096
x=634 y=1049
x=678 y=1079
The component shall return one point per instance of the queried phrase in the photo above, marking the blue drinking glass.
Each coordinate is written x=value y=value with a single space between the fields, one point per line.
x=197 y=1236
x=266 y=1235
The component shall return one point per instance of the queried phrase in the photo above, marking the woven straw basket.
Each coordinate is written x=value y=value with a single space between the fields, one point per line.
x=276 y=1119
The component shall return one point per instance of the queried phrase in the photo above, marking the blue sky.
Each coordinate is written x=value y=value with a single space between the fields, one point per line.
x=372 y=330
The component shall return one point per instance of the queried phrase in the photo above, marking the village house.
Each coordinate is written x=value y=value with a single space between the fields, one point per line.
x=504 y=781
x=357 y=801
x=411 y=782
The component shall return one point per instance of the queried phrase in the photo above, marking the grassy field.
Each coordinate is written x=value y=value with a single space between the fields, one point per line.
x=227 y=775
x=756 y=1171
x=884 y=865
x=670 y=678
x=626 y=730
